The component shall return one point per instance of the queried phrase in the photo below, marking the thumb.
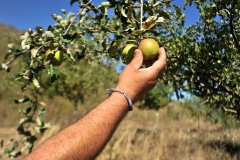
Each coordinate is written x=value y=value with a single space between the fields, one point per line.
x=137 y=59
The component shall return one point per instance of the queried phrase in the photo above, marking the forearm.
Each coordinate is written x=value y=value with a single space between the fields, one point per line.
x=87 y=137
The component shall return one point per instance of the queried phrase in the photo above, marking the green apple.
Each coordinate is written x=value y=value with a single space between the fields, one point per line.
x=149 y=48
x=55 y=57
x=128 y=53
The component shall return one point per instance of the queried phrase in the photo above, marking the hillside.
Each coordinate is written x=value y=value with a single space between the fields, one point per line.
x=8 y=34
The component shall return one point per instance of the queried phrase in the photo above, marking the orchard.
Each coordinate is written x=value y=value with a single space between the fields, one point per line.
x=203 y=58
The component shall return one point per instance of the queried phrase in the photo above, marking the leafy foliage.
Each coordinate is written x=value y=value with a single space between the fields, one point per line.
x=158 y=97
x=208 y=52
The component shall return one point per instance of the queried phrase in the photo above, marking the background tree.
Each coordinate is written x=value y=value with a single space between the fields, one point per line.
x=158 y=97
x=208 y=52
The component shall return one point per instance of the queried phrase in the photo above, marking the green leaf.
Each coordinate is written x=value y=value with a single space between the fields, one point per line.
x=34 y=51
x=22 y=100
x=48 y=34
x=123 y=13
x=56 y=17
x=73 y=1
x=104 y=4
x=113 y=49
x=52 y=73
x=25 y=44
x=39 y=121
x=36 y=83
x=23 y=121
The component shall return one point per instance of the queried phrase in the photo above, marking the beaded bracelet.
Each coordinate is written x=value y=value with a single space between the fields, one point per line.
x=111 y=90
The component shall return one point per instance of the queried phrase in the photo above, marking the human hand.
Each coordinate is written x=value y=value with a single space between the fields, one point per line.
x=136 y=81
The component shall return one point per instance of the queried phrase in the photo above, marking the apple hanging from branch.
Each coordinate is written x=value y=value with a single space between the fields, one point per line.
x=55 y=57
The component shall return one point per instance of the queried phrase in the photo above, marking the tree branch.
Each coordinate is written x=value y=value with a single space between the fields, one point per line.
x=232 y=30
x=5 y=66
x=226 y=88
x=76 y=17
x=141 y=18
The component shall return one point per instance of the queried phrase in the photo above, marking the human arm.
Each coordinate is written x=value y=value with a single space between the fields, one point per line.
x=87 y=137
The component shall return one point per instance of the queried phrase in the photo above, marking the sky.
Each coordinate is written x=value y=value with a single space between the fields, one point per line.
x=25 y=14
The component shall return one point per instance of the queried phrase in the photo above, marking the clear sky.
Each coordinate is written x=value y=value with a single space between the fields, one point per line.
x=24 y=14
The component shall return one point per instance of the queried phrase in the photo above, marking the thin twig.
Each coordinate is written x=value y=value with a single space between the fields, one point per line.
x=5 y=66
x=77 y=16
x=141 y=25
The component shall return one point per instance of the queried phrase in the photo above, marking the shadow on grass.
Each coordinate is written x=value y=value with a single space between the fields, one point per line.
x=233 y=149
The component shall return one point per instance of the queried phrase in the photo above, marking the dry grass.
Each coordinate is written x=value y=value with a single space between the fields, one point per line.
x=167 y=139
x=151 y=135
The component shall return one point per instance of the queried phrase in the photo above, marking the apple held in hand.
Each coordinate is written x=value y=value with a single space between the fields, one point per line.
x=128 y=53
x=55 y=57
x=149 y=48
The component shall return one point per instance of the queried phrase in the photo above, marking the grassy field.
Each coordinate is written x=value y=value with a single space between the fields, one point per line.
x=149 y=135
x=154 y=135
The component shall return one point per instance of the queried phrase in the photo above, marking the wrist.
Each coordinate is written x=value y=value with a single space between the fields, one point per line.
x=118 y=103
x=110 y=91
x=130 y=92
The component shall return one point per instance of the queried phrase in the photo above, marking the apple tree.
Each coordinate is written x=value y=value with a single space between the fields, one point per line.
x=204 y=58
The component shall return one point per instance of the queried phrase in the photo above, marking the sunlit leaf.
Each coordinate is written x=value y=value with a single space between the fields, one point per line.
x=23 y=100
x=25 y=44
x=34 y=52
x=36 y=83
